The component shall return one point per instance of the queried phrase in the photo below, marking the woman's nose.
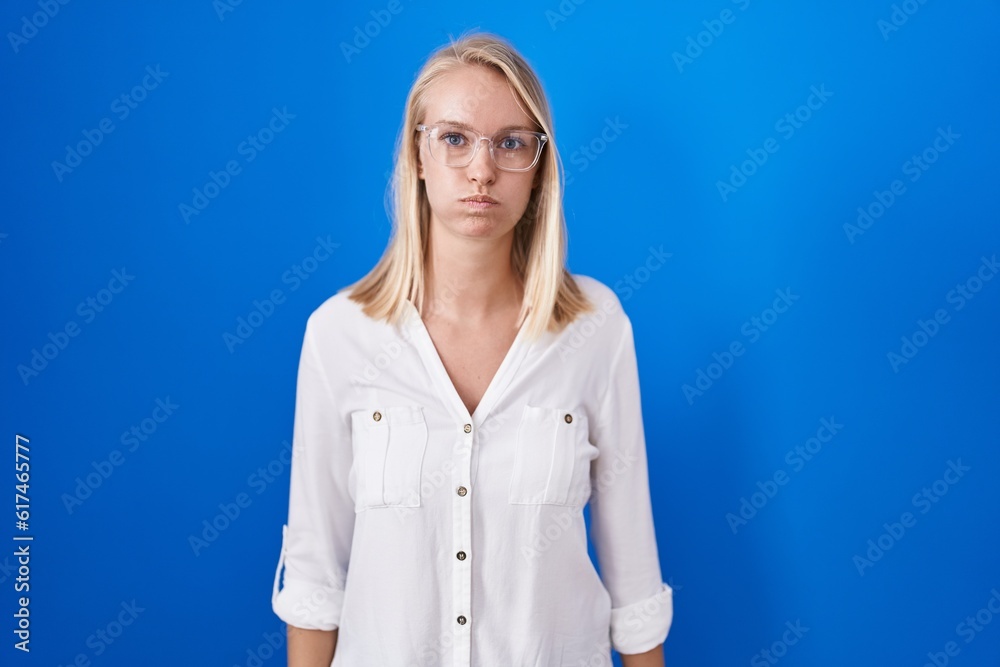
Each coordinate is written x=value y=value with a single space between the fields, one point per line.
x=482 y=167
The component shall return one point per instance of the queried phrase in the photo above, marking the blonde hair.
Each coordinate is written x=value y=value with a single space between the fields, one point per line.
x=552 y=299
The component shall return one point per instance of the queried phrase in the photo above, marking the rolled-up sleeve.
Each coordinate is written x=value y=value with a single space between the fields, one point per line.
x=621 y=513
x=316 y=540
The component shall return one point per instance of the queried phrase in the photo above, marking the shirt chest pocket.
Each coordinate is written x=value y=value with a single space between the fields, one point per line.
x=388 y=444
x=552 y=458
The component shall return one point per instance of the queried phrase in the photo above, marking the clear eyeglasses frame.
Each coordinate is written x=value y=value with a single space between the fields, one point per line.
x=434 y=133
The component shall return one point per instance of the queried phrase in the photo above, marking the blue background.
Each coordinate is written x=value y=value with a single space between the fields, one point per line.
x=683 y=127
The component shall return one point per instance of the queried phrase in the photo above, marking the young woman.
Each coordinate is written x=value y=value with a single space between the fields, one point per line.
x=458 y=407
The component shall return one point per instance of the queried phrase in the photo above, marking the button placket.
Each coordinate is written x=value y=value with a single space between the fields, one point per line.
x=462 y=541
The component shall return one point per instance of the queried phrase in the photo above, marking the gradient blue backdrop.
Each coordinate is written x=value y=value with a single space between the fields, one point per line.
x=654 y=108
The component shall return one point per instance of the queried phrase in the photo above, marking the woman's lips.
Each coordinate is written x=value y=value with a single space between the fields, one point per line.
x=480 y=202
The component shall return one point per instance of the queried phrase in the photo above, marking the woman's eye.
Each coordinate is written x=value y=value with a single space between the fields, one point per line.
x=453 y=139
x=511 y=143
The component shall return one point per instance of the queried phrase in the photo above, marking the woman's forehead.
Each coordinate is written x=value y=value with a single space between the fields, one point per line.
x=476 y=97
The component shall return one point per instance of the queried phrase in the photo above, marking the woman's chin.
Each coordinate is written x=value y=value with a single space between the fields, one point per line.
x=480 y=226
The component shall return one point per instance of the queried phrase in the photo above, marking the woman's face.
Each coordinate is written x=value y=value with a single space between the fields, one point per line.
x=480 y=98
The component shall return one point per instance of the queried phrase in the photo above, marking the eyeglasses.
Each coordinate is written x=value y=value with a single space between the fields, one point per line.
x=511 y=150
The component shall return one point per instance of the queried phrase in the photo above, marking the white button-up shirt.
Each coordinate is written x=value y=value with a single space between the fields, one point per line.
x=435 y=538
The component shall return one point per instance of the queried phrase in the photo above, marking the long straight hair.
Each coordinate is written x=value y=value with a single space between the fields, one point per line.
x=552 y=299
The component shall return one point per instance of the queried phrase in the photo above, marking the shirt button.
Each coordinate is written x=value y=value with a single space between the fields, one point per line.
x=461 y=555
x=468 y=428
x=569 y=419
x=377 y=416
x=461 y=620
x=462 y=491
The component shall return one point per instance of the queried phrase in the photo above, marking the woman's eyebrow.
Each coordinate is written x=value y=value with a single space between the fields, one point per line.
x=466 y=126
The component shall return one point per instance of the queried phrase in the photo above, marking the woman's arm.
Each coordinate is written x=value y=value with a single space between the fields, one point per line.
x=621 y=512
x=316 y=541
x=311 y=648
x=651 y=658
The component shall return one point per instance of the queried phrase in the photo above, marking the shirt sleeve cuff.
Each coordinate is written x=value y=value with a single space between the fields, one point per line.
x=643 y=625
x=305 y=604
